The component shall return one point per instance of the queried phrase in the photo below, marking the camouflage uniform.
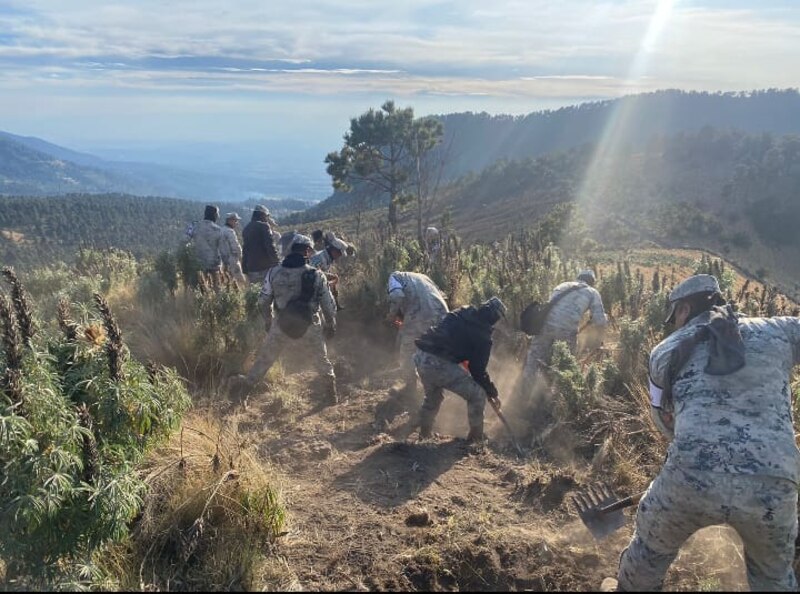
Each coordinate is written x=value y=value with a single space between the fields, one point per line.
x=733 y=458
x=206 y=240
x=417 y=300
x=438 y=375
x=562 y=323
x=321 y=260
x=463 y=335
x=280 y=286
x=231 y=252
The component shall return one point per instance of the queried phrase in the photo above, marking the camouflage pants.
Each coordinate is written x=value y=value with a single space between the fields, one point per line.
x=310 y=346
x=438 y=375
x=235 y=270
x=407 y=335
x=763 y=510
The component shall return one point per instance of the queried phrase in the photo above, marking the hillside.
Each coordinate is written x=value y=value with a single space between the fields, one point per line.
x=40 y=230
x=480 y=139
x=33 y=167
x=474 y=141
x=725 y=191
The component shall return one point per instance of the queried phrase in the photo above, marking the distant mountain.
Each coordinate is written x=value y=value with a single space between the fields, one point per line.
x=33 y=167
x=473 y=142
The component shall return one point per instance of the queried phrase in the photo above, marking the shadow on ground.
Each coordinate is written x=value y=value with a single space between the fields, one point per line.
x=395 y=473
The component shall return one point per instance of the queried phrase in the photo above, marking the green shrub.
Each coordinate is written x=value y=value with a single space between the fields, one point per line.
x=76 y=414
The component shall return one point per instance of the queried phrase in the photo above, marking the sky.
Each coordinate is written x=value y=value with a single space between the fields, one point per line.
x=140 y=74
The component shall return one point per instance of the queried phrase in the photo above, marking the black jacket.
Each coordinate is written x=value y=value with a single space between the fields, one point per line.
x=462 y=335
x=258 y=249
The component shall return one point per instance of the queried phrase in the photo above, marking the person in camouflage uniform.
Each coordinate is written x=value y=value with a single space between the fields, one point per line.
x=564 y=319
x=282 y=284
x=206 y=240
x=334 y=248
x=417 y=304
x=720 y=390
x=462 y=336
x=230 y=250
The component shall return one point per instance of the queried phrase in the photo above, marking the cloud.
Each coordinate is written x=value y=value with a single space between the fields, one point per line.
x=519 y=53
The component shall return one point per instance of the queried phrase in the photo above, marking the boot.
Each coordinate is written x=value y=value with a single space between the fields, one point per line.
x=331 y=394
x=425 y=430
x=475 y=435
x=239 y=388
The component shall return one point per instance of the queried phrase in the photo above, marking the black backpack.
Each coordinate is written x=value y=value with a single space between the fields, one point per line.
x=296 y=317
x=533 y=317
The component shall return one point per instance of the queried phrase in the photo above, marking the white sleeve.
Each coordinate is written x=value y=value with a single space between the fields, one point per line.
x=394 y=284
x=655 y=395
x=598 y=313
x=266 y=287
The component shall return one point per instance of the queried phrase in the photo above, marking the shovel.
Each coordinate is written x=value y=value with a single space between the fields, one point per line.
x=502 y=417
x=601 y=511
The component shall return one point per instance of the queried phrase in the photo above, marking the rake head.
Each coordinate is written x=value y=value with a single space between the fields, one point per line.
x=592 y=507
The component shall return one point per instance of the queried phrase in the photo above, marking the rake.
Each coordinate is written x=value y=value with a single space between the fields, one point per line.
x=601 y=511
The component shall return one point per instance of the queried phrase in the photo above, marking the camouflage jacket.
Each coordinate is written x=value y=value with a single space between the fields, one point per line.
x=322 y=260
x=416 y=299
x=739 y=423
x=565 y=317
x=206 y=241
x=283 y=283
x=230 y=250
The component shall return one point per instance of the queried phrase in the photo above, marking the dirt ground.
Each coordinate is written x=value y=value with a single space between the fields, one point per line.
x=371 y=509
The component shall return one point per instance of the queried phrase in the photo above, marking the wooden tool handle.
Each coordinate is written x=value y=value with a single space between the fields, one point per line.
x=623 y=503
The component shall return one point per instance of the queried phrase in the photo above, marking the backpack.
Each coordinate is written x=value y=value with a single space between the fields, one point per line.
x=533 y=317
x=188 y=232
x=296 y=317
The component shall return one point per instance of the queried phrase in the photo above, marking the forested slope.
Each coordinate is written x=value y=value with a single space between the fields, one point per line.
x=36 y=230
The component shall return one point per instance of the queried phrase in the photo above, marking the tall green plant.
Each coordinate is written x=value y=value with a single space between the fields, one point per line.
x=76 y=415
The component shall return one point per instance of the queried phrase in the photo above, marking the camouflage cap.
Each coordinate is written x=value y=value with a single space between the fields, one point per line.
x=300 y=239
x=699 y=283
x=587 y=276
x=232 y=215
x=260 y=208
x=497 y=305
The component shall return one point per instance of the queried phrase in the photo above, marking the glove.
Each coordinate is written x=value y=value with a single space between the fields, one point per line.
x=329 y=331
x=491 y=392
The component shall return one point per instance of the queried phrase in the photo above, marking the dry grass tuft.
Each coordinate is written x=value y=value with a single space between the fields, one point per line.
x=211 y=518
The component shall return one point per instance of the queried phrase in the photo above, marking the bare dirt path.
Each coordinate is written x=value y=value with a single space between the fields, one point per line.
x=369 y=510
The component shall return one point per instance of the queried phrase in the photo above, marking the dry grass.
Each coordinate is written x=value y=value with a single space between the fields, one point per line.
x=210 y=520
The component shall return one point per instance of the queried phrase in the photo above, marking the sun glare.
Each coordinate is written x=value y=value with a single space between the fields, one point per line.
x=601 y=165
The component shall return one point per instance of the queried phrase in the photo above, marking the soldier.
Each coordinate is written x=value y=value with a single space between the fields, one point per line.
x=432 y=242
x=417 y=303
x=318 y=238
x=206 y=238
x=334 y=249
x=720 y=390
x=463 y=335
x=258 y=252
x=570 y=301
x=282 y=285
x=230 y=249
